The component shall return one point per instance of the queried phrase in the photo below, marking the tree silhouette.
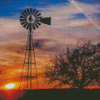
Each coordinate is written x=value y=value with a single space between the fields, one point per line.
x=77 y=67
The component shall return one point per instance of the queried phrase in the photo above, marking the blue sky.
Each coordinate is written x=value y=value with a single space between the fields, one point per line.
x=89 y=1
x=12 y=7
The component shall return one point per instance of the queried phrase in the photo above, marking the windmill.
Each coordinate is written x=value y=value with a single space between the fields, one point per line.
x=31 y=19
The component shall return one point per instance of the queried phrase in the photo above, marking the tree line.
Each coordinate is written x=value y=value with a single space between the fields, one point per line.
x=76 y=67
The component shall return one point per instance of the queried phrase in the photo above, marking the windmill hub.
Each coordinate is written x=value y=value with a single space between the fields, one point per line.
x=31 y=19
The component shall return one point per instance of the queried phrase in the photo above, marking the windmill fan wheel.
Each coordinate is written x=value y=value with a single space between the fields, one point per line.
x=30 y=19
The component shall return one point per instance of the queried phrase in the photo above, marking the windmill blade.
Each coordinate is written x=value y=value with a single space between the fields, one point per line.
x=25 y=25
x=22 y=16
x=22 y=20
x=36 y=12
x=46 y=20
x=38 y=18
x=25 y=12
x=34 y=27
x=38 y=15
x=28 y=26
x=28 y=11
x=37 y=23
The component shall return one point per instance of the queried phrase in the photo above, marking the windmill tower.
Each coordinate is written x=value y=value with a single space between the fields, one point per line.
x=31 y=19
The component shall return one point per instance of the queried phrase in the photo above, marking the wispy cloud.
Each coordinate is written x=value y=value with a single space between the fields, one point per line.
x=89 y=18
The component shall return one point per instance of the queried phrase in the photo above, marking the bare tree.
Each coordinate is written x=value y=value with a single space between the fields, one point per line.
x=77 y=67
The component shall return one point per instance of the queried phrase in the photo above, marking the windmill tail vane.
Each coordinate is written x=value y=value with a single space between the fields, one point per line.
x=31 y=19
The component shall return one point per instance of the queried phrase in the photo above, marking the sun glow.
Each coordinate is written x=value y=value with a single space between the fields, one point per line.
x=10 y=86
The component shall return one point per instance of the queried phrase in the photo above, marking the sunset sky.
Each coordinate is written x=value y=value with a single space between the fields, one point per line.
x=71 y=20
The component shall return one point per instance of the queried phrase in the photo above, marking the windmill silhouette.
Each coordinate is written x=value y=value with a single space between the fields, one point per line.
x=31 y=19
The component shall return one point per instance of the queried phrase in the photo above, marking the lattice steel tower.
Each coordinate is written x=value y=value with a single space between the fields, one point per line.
x=31 y=19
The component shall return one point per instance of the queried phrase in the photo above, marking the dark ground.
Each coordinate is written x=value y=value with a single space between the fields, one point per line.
x=54 y=94
x=59 y=94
